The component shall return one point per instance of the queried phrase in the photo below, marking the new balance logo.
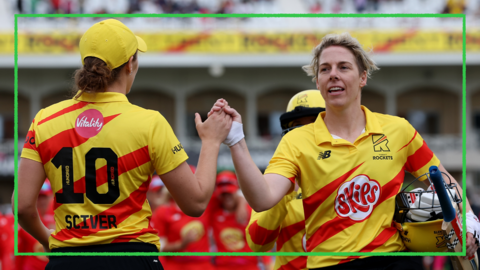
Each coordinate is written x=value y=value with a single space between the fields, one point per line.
x=324 y=155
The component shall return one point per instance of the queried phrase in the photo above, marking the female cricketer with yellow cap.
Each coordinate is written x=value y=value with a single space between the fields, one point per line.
x=100 y=151
x=350 y=165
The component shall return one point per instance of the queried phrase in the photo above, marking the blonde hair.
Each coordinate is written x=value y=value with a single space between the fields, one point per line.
x=364 y=61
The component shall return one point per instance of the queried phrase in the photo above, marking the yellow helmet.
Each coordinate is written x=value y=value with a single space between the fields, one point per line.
x=424 y=236
x=419 y=217
x=304 y=103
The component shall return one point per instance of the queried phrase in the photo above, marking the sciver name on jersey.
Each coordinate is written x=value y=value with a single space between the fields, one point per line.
x=99 y=153
x=349 y=197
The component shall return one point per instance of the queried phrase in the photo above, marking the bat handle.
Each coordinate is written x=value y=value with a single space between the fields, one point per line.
x=443 y=197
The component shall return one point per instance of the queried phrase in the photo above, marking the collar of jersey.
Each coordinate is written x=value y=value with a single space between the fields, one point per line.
x=103 y=97
x=323 y=135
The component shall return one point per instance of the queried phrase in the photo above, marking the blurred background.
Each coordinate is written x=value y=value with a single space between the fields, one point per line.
x=254 y=63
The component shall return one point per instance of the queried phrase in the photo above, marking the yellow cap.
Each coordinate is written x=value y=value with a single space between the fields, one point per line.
x=111 y=41
x=306 y=98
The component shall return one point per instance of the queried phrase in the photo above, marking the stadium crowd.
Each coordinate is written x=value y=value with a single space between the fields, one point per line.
x=136 y=6
x=235 y=6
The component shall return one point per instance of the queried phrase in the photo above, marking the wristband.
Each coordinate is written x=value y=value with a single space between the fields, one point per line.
x=235 y=134
x=473 y=225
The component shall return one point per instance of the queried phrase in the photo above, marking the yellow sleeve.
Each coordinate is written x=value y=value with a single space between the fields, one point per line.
x=166 y=152
x=264 y=227
x=284 y=160
x=30 y=150
x=419 y=155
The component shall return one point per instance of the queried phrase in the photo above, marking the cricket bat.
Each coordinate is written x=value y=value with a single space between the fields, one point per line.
x=452 y=223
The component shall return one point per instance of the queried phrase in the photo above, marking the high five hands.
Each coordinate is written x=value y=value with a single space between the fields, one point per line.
x=222 y=104
x=215 y=129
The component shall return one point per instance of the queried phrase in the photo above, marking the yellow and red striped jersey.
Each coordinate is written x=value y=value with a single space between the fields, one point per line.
x=349 y=188
x=283 y=224
x=99 y=153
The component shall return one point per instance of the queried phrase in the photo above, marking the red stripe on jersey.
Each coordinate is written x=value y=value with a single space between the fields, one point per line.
x=288 y=232
x=72 y=108
x=127 y=238
x=414 y=135
x=133 y=160
x=67 y=138
x=292 y=179
x=121 y=211
x=295 y=264
x=50 y=147
x=377 y=242
x=262 y=236
x=314 y=201
x=420 y=158
x=381 y=140
x=336 y=225
x=30 y=141
x=125 y=163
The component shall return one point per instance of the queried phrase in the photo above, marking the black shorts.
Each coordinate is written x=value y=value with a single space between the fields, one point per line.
x=106 y=262
x=381 y=263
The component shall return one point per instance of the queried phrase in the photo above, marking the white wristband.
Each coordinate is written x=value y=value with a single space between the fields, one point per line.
x=473 y=225
x=235 y=134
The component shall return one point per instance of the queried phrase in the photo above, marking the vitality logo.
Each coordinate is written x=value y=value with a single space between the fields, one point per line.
x=380 y=143
x=324 y=155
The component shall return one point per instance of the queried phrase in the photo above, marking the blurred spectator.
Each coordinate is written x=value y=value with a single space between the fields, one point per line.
x=26 y=242
x=181 y=233
x=7 y=259
x=360 y=5
x=316 y=7
x=155 y=196
x=226 y=7
x=228 y=232
x=337 y=6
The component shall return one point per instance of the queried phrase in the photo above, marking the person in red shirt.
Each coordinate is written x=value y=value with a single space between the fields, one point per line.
x=154 y=194
x=26 y=242
x=181 y=233
x=7 y=259
x=229 y=234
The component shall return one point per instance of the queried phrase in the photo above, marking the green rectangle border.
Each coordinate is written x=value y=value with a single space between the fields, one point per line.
x=464 y=135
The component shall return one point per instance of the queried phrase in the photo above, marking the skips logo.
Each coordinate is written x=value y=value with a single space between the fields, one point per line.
x=356 y=198
x=89 y=123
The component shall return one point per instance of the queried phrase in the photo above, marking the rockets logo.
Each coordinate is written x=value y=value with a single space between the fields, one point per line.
x=380 y=143
x=356 y=198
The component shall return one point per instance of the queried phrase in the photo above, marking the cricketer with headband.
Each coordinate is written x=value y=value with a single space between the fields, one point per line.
x=348 y=195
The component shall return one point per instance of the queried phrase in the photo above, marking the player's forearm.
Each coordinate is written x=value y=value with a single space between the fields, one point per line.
x=465 y=199
x=459 y=187
x=251 y=180
x=206 y=172
x=30 y=221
